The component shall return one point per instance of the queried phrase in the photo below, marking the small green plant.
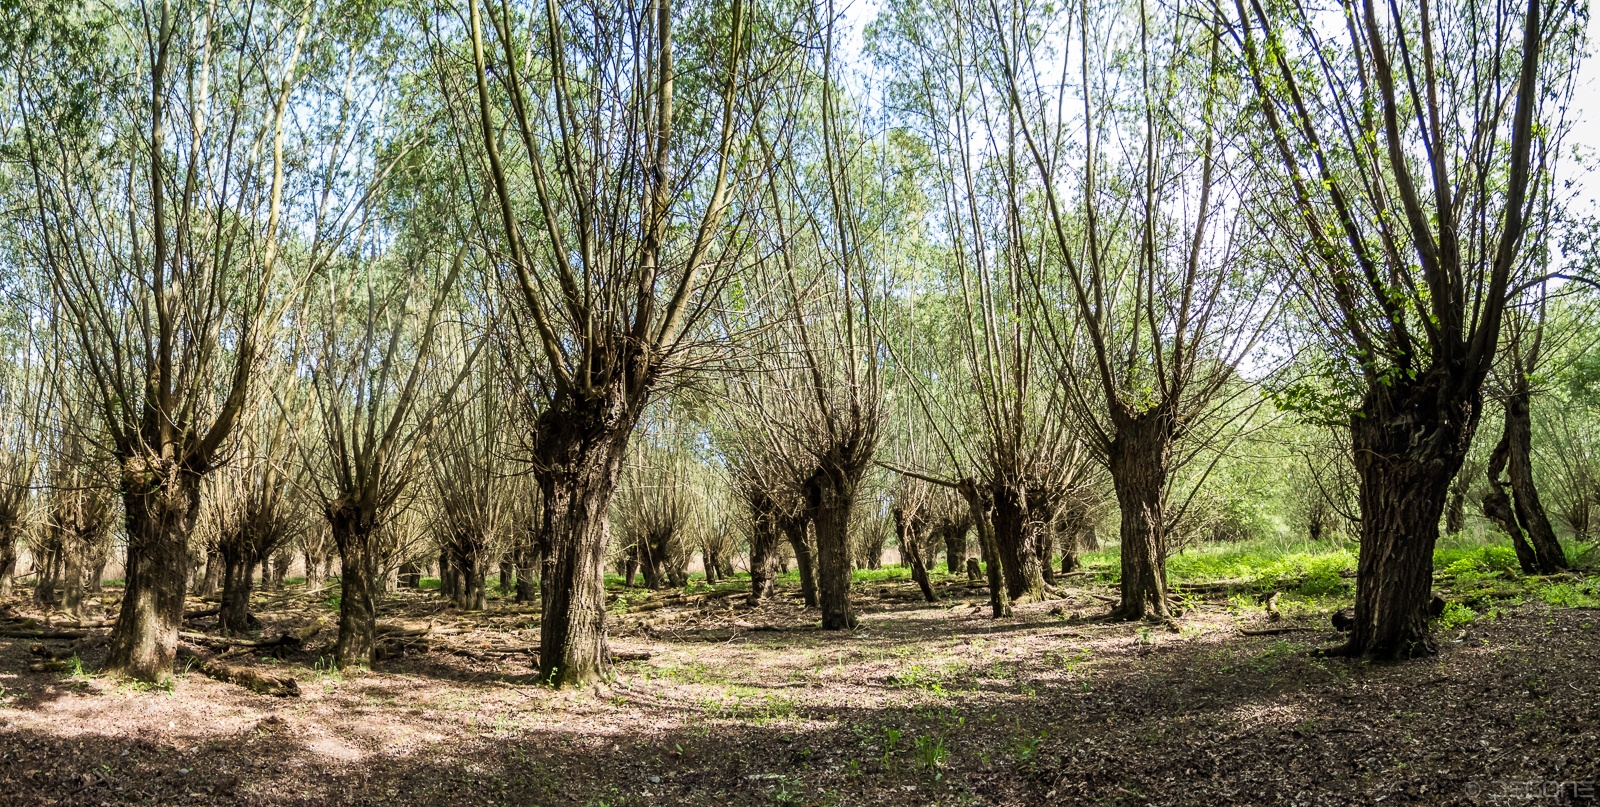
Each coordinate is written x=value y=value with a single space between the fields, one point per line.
x=332 y=602
x=1568 y=595
x=891 y=739
x=1144 y=636
x=931 y=752
x=1025 y=747
x=1455 y=615
x=327 y=667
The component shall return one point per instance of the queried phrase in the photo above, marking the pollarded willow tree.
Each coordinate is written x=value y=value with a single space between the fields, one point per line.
x=156 y=152
x=616 y=152
x=1135 y=179
x=385 y=362
x=1409 y=138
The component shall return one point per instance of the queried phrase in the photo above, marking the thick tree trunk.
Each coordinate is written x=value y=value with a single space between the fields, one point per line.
x=238 y=579
x=527 y=564
x=97 y=572
x=48 y=571
x=1409 y=441
x=72 y=569
x=278 y=565
x=159 y=505
x=469 y=573
x=572 y=632
x=411 y=575
x=1019 y=556
x=1140 y=456
x=1046 y=540
x=357 y=645
x=8 y=559
x=508 y=576
x=579 y=448
x=828 y=503
x=1068 y=529
x=763 y=545
x=1549 y=557
x=999 y=599
x=955 y=548
x=314 y=578
x=794 y=529
x=212 y=577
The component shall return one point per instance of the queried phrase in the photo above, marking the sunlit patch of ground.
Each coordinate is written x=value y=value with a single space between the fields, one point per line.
x=922 y=704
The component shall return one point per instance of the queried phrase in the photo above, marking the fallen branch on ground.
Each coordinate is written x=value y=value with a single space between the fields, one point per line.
x=251 y=679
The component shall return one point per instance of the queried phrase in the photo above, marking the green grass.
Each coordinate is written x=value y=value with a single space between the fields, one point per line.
x=428 y=582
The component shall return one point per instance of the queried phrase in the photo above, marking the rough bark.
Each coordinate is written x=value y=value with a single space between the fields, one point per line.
x=999 y=598
x=47 y=568
x=1067 y=539
x=72 y=570
x=1018 y=551
x=8 y=560
x=353 y=528
x=469 y=570
x=1409 y=441
x=1139 y=458
x=955 y=547
x=212 y=577
x=579 y=448
x=1549 y=557
x=763 y=545
x=238 y=579
x=411 y=575
x=527 y=564
x=829 y=498
x=97 y=571
x=508 y=575
x=160 y=503
x=1046 y=539
x=795 y=529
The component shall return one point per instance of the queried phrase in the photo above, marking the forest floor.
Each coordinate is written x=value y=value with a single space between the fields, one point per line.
x=923 y=704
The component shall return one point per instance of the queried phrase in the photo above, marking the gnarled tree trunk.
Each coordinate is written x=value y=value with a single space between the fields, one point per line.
x=1018 y=551
x=238 y=578
x=999 y=599
x=1139 y=458
x=1409 y=441
x=1518 y=439
x=763 y=545
x=579 y=448
x=909 y=529
x=794 y=528
x=829 y=498
x=352 y=528
x=159 y=503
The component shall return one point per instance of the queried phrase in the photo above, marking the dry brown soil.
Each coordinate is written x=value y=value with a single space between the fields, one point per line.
x=923 y=704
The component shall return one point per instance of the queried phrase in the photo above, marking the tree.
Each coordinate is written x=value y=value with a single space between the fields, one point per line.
x=1410 y=138
x=620 y=252
x=1144 y=247
x=162 y=250
x=379 y=392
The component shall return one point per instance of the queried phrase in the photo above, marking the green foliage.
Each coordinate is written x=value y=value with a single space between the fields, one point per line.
x=1455 y=615
x=1471 y=563
x=1570 y=595
x=930 y=752
x=1267 y=564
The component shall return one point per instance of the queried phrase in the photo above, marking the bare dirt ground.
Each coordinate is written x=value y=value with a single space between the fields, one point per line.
x=923 y=704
